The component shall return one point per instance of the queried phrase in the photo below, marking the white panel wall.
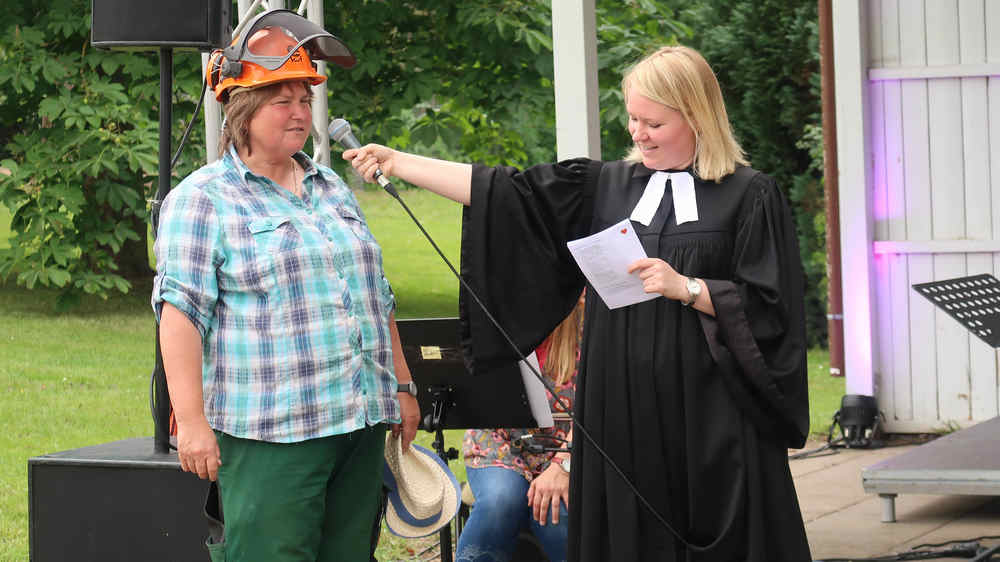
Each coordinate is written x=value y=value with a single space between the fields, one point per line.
x=935 y=201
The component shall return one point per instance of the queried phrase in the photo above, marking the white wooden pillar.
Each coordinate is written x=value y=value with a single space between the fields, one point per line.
x=320 y=111
x=213 y=109
x=574 y=54
x=854 y=158
x=213 y=118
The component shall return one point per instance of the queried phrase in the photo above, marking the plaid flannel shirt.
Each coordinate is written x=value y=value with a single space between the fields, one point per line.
x=289 y=297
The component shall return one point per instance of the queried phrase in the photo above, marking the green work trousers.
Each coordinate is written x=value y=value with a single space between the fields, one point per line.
x=314 y=500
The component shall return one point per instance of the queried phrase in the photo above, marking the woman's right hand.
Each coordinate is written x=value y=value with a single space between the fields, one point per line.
x=370 y=158
x=546 y=491
x=448 y=179
x=198 y=449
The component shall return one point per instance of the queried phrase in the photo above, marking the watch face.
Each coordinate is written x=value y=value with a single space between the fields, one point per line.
x=565 y=464
x=693 y=287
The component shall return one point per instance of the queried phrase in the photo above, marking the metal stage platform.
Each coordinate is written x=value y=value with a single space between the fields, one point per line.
x=966 y=462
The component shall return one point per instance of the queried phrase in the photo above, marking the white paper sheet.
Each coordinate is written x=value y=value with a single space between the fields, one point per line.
x=538 y=401
x=604 y=258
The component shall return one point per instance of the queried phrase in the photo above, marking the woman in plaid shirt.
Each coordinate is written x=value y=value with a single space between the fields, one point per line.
x=276 y=320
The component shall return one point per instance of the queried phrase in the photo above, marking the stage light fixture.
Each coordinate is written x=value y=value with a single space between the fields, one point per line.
x=858 y=418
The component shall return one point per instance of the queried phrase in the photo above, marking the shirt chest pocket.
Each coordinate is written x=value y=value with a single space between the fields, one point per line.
x=274 y=235
x=355 y=224
x=290 y=252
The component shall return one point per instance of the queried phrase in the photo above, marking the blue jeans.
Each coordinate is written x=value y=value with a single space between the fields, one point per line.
x=500 y=513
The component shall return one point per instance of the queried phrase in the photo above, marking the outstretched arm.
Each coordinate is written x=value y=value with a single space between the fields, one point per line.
x=449 y=179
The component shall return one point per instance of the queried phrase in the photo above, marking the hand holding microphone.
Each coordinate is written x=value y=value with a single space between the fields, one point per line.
x=367 y=160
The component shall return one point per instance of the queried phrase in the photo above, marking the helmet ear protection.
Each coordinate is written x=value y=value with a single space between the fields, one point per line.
x=230 y=68
x=238 y=66
x=218 y=69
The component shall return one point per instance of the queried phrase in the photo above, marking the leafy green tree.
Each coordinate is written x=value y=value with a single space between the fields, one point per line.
x=474 y=80
x=80 y=139
x=766 y=56
x=471 y=81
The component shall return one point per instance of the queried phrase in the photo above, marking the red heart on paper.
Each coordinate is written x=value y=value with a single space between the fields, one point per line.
x=624 y=230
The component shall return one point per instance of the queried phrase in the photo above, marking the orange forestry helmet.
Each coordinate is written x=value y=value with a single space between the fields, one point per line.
x=277 y=46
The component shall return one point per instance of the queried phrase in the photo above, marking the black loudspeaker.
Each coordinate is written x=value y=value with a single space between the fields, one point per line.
x=116 y=501
x=147 y=24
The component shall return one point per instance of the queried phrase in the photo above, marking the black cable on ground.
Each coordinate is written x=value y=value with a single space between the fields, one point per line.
x=962 y=550
x=829 y=447
x=946 y=543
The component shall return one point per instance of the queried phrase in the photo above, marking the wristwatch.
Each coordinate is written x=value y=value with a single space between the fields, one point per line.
x=564 y=464
x=694 y=289
x=407 y=387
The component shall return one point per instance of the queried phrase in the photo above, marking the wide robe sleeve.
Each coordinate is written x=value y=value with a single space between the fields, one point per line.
x=757 y=337
x=514 y=255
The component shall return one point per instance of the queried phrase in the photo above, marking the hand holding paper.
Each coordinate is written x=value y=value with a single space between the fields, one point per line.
x=604 y=258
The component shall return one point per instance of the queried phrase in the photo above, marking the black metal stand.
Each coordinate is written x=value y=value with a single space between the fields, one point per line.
x=434 y=421
x=452 y=398
x=161 y=396
x=973 y=301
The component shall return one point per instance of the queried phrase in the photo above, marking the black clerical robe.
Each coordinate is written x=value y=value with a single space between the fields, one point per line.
x=697 y=411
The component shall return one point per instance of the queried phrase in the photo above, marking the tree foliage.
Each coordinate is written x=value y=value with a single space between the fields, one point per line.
x=80 y=140
x=464 y=80
x=766 y=56
x=474 y=80
x=79 y=126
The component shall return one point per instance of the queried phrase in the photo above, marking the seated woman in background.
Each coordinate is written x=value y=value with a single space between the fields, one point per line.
x=516 y=489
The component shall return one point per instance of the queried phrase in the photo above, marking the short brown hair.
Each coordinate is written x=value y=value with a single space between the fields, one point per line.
x=680 y=78
x=240 y=108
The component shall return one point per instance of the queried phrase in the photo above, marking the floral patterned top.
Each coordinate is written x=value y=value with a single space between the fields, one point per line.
x=495 y=447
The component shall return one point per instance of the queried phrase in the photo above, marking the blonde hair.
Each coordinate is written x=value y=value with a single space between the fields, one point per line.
x=240 y=108
x=564 y=344
x=680 y=78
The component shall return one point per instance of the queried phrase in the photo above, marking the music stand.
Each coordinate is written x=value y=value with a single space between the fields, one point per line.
x=974 y=301
x=452 y=398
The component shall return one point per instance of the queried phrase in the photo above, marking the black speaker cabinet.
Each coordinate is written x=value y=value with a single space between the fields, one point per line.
x=145 y=24
x=115 y=501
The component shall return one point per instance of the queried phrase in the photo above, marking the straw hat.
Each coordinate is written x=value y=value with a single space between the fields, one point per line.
x=423 y=493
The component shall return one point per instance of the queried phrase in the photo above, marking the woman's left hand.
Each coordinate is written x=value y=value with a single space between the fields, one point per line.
x=659 y=277
x=545 y=492
x=410 y=414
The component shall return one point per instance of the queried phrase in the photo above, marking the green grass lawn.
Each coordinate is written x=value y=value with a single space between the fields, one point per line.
x=82 y=378
x=424 y=286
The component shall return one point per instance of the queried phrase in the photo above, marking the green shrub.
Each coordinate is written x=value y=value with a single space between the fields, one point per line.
x=766 y=56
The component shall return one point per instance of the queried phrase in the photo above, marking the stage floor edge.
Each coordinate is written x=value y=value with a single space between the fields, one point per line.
x=966 y=462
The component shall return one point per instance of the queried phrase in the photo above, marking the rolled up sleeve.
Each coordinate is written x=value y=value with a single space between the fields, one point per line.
x=188 y=252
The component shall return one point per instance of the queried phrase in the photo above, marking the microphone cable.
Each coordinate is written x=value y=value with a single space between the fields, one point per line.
x=526 y=443
x=548 y=385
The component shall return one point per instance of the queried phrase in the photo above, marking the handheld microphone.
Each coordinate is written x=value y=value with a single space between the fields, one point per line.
x=340 y=133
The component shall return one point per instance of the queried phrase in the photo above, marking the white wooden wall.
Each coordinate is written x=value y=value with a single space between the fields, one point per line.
x=934 y=136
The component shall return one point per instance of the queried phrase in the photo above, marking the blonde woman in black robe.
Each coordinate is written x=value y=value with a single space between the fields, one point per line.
x=695 y=395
